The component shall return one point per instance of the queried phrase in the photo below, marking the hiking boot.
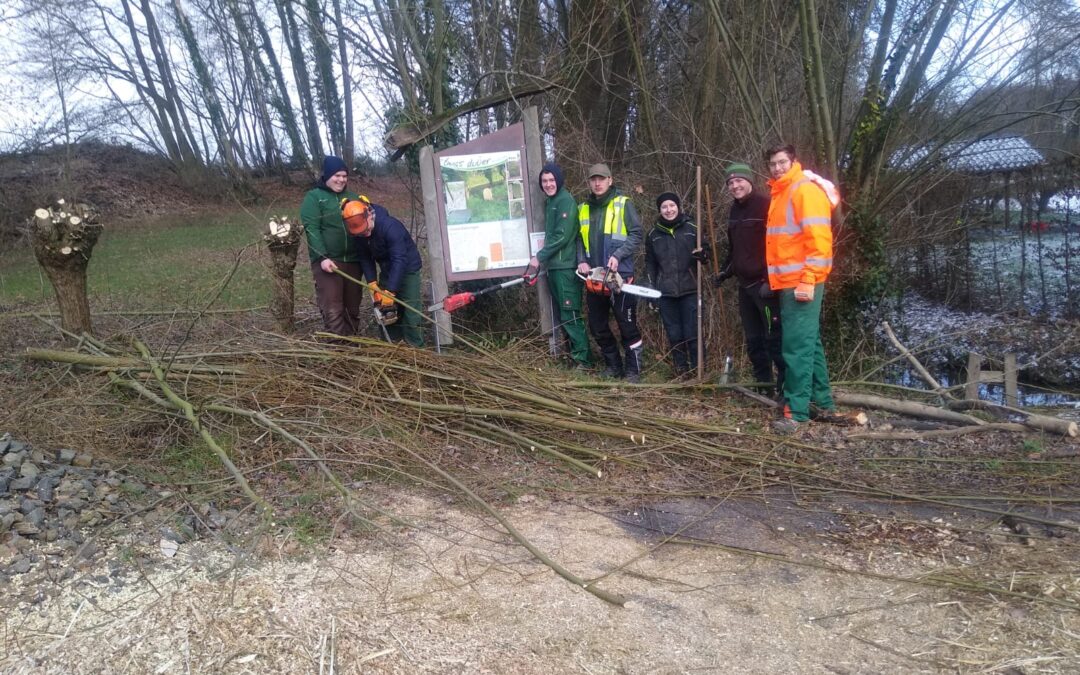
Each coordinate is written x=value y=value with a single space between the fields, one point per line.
x=785 y=426
x=612 y=364
x=633 y=364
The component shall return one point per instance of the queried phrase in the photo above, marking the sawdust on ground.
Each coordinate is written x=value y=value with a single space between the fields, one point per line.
x=457 y=596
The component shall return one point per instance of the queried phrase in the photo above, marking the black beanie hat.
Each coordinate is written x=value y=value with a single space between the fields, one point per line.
x=669 y=196
x=331 y=165
x=555 y=171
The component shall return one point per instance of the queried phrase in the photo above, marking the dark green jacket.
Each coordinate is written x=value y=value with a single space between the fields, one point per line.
x=320 y=214
x=560 y=232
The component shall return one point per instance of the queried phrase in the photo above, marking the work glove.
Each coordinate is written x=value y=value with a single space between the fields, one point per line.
x=381 y=296
x=701 y=255
x=804 y=292
x=719 y=279
x=327 y=265
x=765 y=292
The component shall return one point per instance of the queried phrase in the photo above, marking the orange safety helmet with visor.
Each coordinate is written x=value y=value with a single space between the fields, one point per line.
x=358 y=215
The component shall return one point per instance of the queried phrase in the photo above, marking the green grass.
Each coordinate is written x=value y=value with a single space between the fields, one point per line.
x=165 y=264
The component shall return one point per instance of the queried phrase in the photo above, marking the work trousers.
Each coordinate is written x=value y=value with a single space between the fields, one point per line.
x=679 y=316
x=565 y=288
x=762 y=328
x=624 y=306
x=338 y=298
x=806 y=378
x=407 y=327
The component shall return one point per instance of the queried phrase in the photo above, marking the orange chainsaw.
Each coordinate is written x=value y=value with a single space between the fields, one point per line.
x=604 y=281
x=459 y=300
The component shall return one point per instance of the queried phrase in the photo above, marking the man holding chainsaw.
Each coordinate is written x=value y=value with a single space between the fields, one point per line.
x=611 y=234
x=329 y=249
x=381 y=239
x=559 y=257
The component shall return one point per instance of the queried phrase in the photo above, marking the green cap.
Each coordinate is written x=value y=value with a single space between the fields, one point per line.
x=739 y=170
x=599 y=170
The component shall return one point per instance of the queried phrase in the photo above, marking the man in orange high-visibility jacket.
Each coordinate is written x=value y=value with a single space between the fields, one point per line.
x=798 y=253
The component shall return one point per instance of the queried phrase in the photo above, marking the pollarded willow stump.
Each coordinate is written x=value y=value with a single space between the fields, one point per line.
x=63 y=237
x=283 y=242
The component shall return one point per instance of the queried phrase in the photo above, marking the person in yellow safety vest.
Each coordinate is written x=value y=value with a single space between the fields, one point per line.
x=611 y=235
x=799 y=257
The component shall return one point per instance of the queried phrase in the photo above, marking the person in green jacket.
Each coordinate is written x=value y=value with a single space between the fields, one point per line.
x=329 y=249
x=559 y=258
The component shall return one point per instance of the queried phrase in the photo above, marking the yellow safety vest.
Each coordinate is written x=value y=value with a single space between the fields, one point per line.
x=614 y=224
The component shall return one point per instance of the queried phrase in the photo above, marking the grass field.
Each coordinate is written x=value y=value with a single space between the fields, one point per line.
x=177 y=263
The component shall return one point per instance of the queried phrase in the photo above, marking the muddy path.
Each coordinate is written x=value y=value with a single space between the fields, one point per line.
x=712 y=586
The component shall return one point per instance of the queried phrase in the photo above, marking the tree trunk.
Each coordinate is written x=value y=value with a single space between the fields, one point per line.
x=63 y=239
x=283 y=242
x=291 y=35
x=325 y=82
x=348 y=150
x=279 y=98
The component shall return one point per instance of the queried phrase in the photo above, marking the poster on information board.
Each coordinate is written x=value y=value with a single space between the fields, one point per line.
x=485 y=206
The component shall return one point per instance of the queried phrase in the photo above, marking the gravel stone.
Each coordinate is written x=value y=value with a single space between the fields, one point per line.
x=23 y=483
x=6 y=476
x=12 y=458
x=46 y=488
x=36 y=517
x=26 y=529
x=19 y=566
x=27 y=505
x=83 y=459
x=29 y=470
x=65 y=456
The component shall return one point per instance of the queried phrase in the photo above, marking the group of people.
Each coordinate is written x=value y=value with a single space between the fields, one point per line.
x=780 y=253
x=348 y=236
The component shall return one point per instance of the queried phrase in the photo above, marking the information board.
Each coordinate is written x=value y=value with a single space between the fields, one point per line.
x=484 y=205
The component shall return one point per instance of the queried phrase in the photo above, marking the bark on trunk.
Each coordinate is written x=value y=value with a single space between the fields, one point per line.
x=63 y=238
x=283 y=242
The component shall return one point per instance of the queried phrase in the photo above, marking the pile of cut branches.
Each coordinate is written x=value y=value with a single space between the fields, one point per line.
x=471 y=423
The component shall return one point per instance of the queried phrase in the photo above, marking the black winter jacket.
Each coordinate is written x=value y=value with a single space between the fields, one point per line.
x=746 y=239
x=671 y=267
x=391 y=246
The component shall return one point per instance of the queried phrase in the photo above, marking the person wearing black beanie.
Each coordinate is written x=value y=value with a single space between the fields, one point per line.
x=671 y=262
x=329 y=248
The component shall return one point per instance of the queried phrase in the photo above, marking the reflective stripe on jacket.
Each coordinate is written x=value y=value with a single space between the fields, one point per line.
x=614 y=223
x=798 y=235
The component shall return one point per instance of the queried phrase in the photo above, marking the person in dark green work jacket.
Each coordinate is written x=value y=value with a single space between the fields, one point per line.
x=559 y=258
x=329 y=249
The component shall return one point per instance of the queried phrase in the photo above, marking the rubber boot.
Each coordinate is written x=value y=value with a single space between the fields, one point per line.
x=612 y=363
x=633 y=364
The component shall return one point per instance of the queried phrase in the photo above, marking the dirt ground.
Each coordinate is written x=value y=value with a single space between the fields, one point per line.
x=459 y=596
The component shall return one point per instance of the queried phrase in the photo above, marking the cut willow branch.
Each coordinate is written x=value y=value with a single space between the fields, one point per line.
x=189 y=412
x=520 y=538
x=923 y=372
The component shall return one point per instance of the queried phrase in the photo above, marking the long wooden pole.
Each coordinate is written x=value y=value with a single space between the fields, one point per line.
x=700 y=341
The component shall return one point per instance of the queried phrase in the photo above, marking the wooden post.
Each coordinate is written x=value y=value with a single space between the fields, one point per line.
x=444 y=330
x=700 y=338
x=974 y=367
x=534 y=157
x=1011 y=393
